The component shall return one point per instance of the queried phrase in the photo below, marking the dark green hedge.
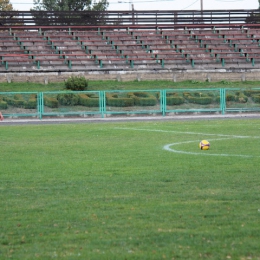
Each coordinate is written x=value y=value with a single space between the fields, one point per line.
x=230 y=97
x=31 y=103
x=239 y=97
x=8 y=100
x=251 y=93
x=88 y=100
x=51 y=102
x=256 y=98
x=174 y=99
x=143 y=98
x=68 y=99
x=198 y=98
x=16 y=100
x=217 y=99
x=131 y=99
x=115 y=101
x=3 y=104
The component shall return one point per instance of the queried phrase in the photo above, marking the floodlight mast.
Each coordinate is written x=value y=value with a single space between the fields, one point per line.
x=201 y=9
x=131 y=4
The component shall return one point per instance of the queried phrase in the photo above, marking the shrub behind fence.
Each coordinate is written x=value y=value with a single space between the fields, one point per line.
x=105 y=103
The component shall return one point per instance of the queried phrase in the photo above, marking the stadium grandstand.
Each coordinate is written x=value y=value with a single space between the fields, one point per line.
x=112 y=43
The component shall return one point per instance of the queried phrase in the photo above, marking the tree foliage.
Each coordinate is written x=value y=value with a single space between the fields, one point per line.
x=5 y=5
x=69 y=5
x=70 y=12
x=7 y=18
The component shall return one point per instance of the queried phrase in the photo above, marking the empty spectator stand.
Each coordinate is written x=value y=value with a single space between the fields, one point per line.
x=235 y=46
x=145 y=46
x=106 y=51
x=27 y=41
x=17 y=59
x=9 y=46
x=83 y=48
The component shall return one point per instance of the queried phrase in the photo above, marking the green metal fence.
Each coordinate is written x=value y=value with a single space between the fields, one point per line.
x=128 y=102
x=20 y=104
x=194 y=100
x=133 y=102
x=242 y=100
x=72 y=103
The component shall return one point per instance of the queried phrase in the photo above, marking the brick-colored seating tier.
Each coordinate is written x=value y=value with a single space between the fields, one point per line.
x=129 y=49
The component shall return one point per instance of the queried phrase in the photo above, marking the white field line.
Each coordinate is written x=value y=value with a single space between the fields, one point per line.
x=167 y=147
x=180 y=132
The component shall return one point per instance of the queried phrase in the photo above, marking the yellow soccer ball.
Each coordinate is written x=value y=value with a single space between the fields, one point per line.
x=204 y=145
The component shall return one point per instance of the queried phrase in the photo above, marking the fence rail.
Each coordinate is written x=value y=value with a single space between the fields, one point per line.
x=128 y=102
x=127 y=18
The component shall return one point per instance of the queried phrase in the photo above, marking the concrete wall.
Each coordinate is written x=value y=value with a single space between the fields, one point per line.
x=173 y=75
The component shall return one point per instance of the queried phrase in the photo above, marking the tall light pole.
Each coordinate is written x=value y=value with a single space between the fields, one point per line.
x=131 y=6
x=201 y=9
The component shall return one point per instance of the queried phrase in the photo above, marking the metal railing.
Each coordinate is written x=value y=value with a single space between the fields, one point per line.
x=128 y=102
x=127 y=18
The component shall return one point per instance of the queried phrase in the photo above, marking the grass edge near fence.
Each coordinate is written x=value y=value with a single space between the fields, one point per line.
x=99 y=85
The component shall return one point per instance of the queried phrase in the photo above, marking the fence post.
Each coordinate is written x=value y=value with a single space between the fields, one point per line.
x=163 y=101
x=102 y=103
x=223 y=100
x=39 y=104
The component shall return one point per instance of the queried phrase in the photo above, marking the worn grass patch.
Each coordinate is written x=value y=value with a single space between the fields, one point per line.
x=110 y=191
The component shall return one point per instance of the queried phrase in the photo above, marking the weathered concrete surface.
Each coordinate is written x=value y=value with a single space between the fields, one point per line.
x=130 y=75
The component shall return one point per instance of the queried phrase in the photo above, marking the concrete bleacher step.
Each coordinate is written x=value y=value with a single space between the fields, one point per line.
x=173 y=49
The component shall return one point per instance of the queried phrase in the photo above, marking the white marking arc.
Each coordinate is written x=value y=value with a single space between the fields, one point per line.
x=168 y=148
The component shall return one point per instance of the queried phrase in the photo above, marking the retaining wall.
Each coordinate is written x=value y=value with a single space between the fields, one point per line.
x=173 y=75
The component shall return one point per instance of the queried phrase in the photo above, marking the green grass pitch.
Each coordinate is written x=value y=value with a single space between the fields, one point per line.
x=130 y=190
